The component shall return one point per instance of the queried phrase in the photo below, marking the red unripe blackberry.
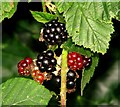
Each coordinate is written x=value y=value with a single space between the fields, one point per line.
x=26 y=72
x=39 y=78
x=75 y=61
x=23 y=66
x=35 y=73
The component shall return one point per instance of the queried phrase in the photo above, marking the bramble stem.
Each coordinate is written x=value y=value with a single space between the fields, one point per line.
x=64 y=70
x=43 y=6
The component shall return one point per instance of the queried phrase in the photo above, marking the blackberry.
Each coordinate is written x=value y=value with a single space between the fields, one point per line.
x=71 y=75
x=55 y=33
x=87 y=61
x=56 y=81
x=70 y=84
x=39 y=78
x=24 y=66
x=46 y=61
x=35 y=73
x=75 y=61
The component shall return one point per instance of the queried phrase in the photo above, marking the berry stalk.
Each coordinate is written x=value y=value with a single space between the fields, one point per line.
x=64 y=70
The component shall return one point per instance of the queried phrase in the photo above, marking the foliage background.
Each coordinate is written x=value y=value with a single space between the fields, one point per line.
x=20 y=39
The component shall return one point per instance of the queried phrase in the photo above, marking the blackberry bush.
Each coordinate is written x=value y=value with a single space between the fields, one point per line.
x=90 y=29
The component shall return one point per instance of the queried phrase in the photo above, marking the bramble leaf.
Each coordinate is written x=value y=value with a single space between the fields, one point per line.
x=89 y=23
x=23 y=91
x=71 y=47
x=43 y=17
x=87 y=74
x=7 y=9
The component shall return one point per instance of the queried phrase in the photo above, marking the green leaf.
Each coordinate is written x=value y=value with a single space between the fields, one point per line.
x=62 y=6
x=7 y=9
x=89 y=23
x=71 y=47
x=97 y=10
x=23 y=91
x=43 y=17
x=88 y=73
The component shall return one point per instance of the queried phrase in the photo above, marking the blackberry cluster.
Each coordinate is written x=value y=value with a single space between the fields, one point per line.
x=46 y=61
x=55 y=32
x=55 y=82
x=44 y=69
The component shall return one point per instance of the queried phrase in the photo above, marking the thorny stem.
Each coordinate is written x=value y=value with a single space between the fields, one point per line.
x=64 y=70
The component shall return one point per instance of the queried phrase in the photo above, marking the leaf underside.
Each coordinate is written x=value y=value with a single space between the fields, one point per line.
x=23 y=91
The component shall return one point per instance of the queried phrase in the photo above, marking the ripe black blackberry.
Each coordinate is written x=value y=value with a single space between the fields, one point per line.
x=71 y=75
x=70 y=84
x=54 y=83
x=55 y=32
x=46 y=61
x=87 y=61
